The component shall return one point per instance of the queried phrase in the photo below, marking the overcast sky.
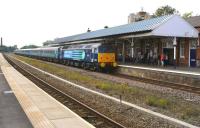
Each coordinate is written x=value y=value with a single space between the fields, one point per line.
x=25 y=22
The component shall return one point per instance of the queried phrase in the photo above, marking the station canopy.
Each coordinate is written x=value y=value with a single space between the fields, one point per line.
x=164 y=26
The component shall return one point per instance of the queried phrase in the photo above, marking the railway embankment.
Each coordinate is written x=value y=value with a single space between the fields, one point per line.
x=174 y=103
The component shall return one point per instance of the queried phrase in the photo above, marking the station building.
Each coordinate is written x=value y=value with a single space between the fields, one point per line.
x=143 y=42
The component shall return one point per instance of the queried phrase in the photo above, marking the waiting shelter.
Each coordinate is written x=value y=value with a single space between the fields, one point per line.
x=144 y=42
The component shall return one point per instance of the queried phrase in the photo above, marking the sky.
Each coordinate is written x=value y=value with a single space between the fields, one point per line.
x=26 y=22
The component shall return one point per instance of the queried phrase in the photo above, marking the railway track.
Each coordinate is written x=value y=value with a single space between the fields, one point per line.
x=92 y=116
x=182 y=87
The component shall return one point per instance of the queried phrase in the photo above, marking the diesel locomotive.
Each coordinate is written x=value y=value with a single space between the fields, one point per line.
x=94 y=56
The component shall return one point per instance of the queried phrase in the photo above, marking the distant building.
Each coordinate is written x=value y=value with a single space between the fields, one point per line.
x=142 y=15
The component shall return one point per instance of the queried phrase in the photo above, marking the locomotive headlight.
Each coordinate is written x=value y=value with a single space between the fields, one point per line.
x=114 y=64
x=102 y=65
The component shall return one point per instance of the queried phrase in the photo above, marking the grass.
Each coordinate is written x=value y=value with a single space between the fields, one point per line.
x=157 y=102
x=190 y=112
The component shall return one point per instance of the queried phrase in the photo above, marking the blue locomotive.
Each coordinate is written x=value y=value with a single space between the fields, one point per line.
x=93 y=56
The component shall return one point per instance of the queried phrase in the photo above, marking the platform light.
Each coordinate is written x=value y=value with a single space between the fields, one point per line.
x=174 y=42
x=132 y=44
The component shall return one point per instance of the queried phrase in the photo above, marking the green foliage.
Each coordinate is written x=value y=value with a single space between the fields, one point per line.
x=165 y=10
x=187 y=15
x=48 y=42
x=8 y=48
x=29 y=46
x=157 y=102
x=104 y=86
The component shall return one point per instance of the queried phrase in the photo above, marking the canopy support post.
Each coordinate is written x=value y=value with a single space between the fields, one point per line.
x=123 y=52
x=174 y=44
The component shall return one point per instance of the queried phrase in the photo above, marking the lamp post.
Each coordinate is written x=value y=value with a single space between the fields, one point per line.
x=174 y=44
x=1 y=42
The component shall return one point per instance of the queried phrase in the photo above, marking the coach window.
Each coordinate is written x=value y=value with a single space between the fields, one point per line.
x=182 y=49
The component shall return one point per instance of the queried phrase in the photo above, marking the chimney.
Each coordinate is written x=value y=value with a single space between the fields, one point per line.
x=88 y=30
x=1 y=41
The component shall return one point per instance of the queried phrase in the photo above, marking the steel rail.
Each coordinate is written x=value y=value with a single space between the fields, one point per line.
x=92 y=116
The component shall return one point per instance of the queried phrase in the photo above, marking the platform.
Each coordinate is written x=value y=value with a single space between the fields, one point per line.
x=11 y=113
x=170 y=69
x=190 y=77
x=42 y=110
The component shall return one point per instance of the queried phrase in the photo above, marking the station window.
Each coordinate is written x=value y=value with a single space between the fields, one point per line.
x=182 y=49
x=193 y=43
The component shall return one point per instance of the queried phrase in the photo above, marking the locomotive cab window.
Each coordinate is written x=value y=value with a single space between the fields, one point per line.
x=95 y=50
x=106 y=49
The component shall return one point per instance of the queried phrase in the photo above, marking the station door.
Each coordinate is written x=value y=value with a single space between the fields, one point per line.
x=193 y=57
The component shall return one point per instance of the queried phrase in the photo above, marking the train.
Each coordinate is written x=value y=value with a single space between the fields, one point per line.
x=94 y=56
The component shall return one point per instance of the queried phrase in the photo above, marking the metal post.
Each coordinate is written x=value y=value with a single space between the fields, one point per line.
x=1 y=42
x=132 y=48
x=174 y=44
x=123 y=52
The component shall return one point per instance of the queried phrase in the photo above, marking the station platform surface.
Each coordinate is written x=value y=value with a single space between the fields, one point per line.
x=11 y=113
x=172 y=69
x=42 y=110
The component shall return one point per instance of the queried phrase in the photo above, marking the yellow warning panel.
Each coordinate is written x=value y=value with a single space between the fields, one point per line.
x=106 y=57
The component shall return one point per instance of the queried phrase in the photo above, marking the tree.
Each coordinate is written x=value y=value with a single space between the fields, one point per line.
x=165 y=10
x=29 y=46
x=48 y=42
x=8 y=48
x=187 y=15
x=106 y=26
